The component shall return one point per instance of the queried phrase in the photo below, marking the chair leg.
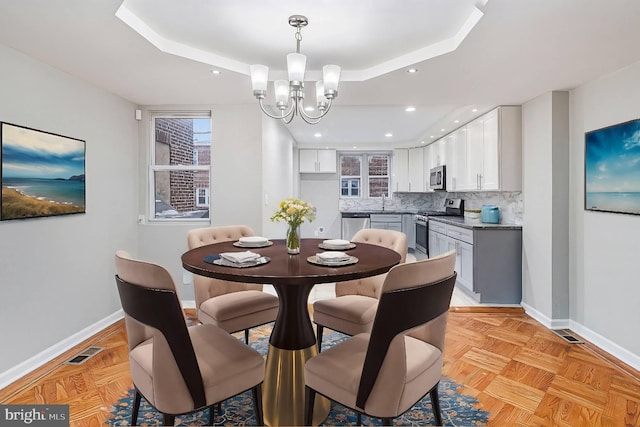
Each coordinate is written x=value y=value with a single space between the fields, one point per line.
x=435 y=404
x=212 y=415
x=168 y=420
x=136 y=407
x=309 y=400
x=246 y=336
x=387 y=421
x=319 y=328
x=257 y=404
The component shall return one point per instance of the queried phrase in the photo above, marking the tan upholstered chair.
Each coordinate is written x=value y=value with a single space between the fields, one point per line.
x=232 y=306
x=384 y=373
x=353 y=309
x=179 y=369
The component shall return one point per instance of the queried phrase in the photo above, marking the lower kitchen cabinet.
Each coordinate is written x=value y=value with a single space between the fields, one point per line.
x=488 y=260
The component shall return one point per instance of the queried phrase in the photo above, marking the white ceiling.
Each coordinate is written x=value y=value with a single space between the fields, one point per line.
x=517 y=50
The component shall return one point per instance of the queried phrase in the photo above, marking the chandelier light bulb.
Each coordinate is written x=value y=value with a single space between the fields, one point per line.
x=282 y=94
x=296 y=64
x=259 y=78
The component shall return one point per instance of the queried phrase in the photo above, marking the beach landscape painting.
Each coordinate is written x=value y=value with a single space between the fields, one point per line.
x=43 y=174
x=612 y=168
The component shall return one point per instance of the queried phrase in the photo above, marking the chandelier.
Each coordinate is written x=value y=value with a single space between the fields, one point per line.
x=290 y=94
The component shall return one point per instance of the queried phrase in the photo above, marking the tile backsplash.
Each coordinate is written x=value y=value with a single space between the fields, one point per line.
x=510 y=203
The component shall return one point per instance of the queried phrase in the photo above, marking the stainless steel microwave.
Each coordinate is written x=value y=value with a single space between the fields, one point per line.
x=437 y=178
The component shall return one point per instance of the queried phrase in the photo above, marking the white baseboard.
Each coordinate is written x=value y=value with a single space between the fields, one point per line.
x=604 y=343
x=22 y=369
x=189 y=303
x=607 y=345
x=542 y=318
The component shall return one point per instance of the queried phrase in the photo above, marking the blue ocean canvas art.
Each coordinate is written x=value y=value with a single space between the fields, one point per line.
x=43 y=174
x=612 y=168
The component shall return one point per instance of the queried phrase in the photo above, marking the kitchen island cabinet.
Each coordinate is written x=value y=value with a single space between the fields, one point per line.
x=488 y=257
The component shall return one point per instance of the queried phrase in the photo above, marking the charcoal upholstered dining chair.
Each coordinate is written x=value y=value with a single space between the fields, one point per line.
x=385 y=372
x=179 y=369
x=353 y=309
x=232 y=306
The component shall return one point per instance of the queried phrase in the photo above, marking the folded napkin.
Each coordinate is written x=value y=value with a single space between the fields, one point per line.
x=240 y=257
x=332 y=256
x=336 y=242
x=253 y=239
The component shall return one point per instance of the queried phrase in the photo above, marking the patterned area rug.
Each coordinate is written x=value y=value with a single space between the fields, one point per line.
x=457 y=409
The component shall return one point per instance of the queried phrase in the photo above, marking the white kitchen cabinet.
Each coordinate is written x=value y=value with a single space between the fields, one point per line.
x=401 y=169
x=317 y=161
x=435 y=154
x=451 y=156
x=491 y=156
x=417 y=174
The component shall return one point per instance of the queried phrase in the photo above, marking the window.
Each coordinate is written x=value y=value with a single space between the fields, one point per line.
x=378 y=175
x=350 y=175
x=364 y=174
x=202 y=197
x=179 y=174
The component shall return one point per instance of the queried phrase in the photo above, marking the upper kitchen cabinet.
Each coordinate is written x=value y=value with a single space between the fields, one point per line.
x=490 y=158
x=435 y=153
x=401 y=168
x=417 y=174
x=317 y=161
x=409 y=170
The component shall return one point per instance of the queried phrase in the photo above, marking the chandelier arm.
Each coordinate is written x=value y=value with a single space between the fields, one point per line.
x=306 y=116
x=273 y=116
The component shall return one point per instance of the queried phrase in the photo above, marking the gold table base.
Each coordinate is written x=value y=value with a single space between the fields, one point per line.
x=283 y=388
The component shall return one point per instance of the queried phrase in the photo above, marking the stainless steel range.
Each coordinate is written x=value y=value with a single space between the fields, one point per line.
x=452 y=207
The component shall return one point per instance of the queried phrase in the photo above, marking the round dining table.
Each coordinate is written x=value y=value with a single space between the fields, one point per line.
x=292 y=340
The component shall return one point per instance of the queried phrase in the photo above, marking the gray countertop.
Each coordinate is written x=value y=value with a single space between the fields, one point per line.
x=386 y=211
x=473 y=223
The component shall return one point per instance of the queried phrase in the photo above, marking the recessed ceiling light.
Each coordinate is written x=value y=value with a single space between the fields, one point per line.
x=475 y=110
x=431 y=136
x=456 y=121
x=421 y=142
x=388 y=134
x=354 y=147
x=216 y=72
x=412 y=70
x=410 y=109
x=442 y=130
x=317 y=134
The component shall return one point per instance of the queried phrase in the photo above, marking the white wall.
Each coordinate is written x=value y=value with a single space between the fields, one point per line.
x=537 y=217
x=279 y=180
x=322 y=191
x=604 y=246
x=236 y=188
x=57 y=274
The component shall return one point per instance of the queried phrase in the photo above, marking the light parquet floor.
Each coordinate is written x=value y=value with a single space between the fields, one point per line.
x=520 y=372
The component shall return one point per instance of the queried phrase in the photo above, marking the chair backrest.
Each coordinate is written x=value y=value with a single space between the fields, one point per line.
x=414 y=296
x=370 y=286
x=152 y=310
x=206 y=287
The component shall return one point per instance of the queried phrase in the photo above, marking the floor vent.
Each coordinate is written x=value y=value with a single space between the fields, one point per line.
x=83 y=356
x=567 y=335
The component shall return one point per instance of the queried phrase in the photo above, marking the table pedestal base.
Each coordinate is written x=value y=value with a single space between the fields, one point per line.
x=283 y=388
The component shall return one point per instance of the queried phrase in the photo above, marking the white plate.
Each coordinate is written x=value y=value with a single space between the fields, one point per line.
x=349 y=245
x=239 y=244
x=226 y=263
x=314 y=260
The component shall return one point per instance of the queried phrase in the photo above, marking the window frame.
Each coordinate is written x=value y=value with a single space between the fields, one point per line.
x=153 y=168
x=364 y=173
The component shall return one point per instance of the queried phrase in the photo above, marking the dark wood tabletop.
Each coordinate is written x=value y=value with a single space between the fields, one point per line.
x=285 y=269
